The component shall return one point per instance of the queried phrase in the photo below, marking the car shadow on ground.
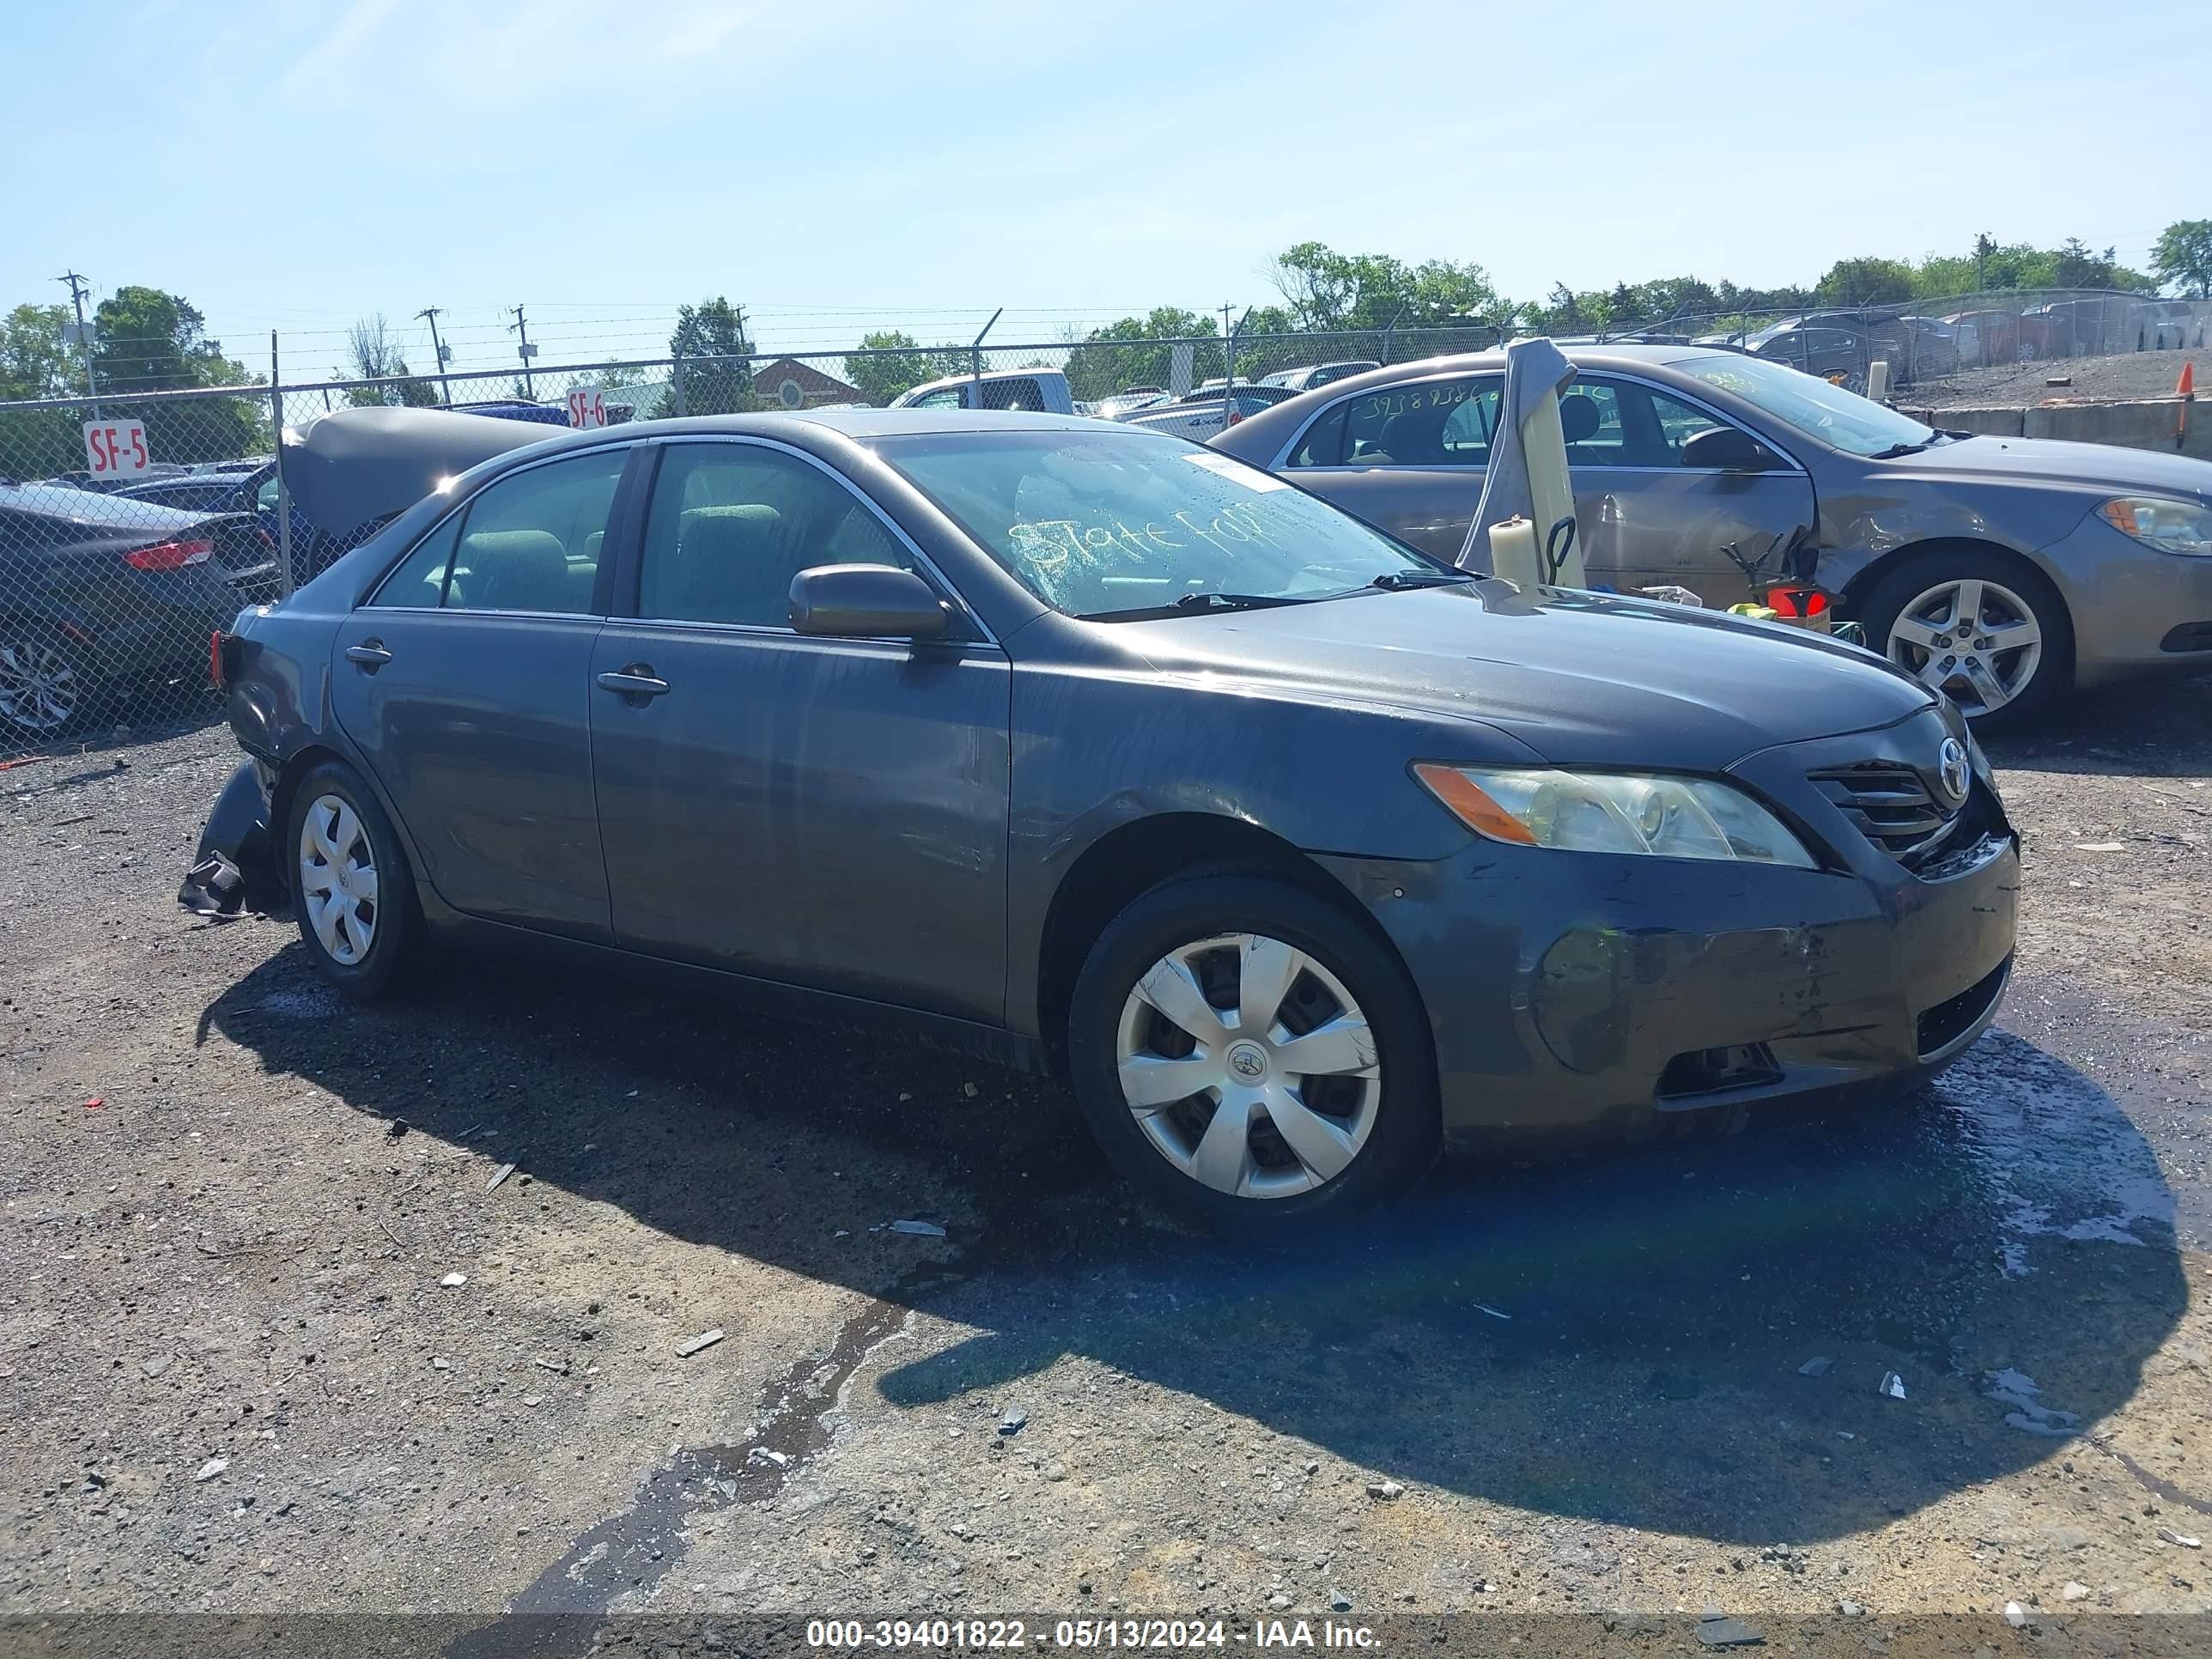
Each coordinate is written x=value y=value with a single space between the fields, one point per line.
x=1631 y=1337
x=2156 y=726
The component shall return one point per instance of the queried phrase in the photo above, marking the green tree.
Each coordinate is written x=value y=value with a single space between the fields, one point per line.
x=2182 y=259
x=1866 y=282
x=901 y=368
x=150 y=340
x=375 y=357
x=1101 y=366
x=714 y=330
x=1331 y=291
x=37 y=443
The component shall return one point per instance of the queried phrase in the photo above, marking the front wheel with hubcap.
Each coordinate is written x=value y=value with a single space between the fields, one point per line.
x=352 y=891
x=1249 y=1054
x=1992 y=637
x=44 y=688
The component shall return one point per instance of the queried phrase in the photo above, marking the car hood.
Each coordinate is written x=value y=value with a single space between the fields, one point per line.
x=1581 y=678
x=2107 y=467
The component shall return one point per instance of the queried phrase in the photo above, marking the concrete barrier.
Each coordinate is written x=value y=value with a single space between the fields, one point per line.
x=2144 y=423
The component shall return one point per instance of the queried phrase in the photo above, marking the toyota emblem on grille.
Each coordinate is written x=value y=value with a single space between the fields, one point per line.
x=1952 y=772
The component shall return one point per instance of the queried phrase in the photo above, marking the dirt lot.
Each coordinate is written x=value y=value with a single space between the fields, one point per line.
x=236 y=1375
x=2131 y=376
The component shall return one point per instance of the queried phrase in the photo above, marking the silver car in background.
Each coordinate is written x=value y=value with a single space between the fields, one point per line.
x=1200 y=414
x=1999 y=570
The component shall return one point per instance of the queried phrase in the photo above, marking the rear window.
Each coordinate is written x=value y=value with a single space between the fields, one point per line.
x=92 y=508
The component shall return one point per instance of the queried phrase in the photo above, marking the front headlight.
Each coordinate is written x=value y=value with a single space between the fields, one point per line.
x=2162 y=522
x=1615 y=812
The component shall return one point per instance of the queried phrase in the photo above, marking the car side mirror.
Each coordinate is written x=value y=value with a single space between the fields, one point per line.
x=1728 y=449
x=868 y=602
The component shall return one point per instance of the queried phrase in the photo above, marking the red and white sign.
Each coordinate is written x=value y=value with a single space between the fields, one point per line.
x=117 y=449
x=587 y=406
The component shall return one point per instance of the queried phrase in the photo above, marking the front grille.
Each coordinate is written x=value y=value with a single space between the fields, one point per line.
x=1890 y=805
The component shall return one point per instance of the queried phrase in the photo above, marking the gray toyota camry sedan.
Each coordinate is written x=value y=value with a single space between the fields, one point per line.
x=1998 y=570
x=1294 y=850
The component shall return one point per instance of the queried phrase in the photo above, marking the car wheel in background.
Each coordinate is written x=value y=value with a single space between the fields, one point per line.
x=1251 y=1057
x=353 y=894
x=1990 y=632
x=47 y=684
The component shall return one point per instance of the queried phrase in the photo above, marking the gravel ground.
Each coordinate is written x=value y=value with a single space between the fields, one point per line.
x=2116 y=379
x=236 y=1378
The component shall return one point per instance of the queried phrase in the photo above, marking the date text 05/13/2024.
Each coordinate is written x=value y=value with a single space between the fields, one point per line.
x=854 y=1635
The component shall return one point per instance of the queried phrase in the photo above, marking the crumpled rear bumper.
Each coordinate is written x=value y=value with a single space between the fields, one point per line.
x=236 y=872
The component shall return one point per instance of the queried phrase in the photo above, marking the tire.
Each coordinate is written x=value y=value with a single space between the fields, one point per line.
x=2009 y=592
x=47 y=685
x=357 y=944
x=1372 y=1129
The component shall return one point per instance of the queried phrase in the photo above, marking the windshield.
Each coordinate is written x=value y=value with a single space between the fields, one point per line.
x=1101 y=523
x=1842 y=420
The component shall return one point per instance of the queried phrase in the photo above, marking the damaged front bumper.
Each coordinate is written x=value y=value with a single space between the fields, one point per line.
x=1577 y=991
x=236 y=871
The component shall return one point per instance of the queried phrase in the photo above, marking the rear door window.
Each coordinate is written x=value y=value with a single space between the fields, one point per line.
x=1429 y=423
x=531 y=541
x=1025 y=394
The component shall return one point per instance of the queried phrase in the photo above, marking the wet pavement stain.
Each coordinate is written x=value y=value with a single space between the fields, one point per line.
x=629 y=1554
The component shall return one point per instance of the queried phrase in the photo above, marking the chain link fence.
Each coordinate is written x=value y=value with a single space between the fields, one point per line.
x=134 y=526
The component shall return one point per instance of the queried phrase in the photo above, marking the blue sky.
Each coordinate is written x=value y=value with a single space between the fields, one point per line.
x=838 y=165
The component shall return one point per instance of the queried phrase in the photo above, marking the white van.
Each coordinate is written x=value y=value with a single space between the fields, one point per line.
x=1041 y=390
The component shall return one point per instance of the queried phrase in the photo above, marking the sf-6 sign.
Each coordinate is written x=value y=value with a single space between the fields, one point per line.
x=587 y=406
x=117 y=449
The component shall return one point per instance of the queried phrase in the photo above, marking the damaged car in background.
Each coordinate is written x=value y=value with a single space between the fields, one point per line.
x=1297 y=852
x=2000 y=571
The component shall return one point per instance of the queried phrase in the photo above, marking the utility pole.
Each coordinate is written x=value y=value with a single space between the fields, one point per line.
x=525 y=351
x=78 y=288
x=429 y=314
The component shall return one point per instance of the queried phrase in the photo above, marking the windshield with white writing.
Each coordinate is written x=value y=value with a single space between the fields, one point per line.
x=1842 y=420
x=1108 y=523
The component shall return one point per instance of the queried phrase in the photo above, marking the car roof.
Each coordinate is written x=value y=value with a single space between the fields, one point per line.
x=1029 y=374
x=856 y=423
x=1285 y=418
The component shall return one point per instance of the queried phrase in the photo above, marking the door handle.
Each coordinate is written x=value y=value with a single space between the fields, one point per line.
x=636 y=681
x=368 y=657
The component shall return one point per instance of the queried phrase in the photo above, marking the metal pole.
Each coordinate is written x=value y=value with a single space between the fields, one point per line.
x=76 y=287
x=676 y=386
x=522 y=351
x=284 y=496
x=975 y=353
x=429 y=314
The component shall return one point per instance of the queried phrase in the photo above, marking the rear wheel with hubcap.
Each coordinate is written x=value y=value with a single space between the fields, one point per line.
x=1248 y=1054
x=352 y=890
x=1992 y=636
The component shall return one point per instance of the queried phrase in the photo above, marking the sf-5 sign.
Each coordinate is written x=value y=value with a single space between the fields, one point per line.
x=117 y=449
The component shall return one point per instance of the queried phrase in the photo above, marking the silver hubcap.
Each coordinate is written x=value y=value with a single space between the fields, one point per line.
x=1978 y=641
x=38 y=686
x=1248 y=1066
x=337 y=880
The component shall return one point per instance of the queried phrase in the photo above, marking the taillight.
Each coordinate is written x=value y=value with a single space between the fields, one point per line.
x=1235 y=416
x=169 y=555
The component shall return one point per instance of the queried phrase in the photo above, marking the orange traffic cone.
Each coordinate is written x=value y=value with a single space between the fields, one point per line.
x=2186 y=386
x=2186 y=389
